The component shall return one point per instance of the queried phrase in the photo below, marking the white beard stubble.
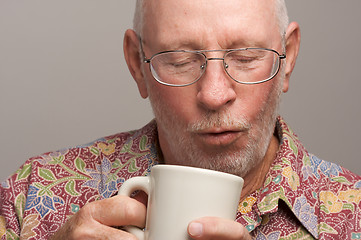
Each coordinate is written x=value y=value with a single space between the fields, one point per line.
x=237 y=161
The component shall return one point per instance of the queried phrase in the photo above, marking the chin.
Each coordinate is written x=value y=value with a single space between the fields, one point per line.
x=237 y=163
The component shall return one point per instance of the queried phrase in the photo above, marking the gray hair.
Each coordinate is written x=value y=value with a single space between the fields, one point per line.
x=282 y=15
x=138 y=17
x=280 y=7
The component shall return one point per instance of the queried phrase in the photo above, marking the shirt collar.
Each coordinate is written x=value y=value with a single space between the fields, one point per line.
x=282 y=183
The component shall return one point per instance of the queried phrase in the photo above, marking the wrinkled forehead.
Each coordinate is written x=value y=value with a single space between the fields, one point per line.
x=171 y=21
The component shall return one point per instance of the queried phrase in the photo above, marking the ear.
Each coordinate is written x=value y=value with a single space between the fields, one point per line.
x=132 y=57
x=293 y=38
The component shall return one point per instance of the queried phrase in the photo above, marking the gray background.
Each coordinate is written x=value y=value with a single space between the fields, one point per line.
x=63 y=80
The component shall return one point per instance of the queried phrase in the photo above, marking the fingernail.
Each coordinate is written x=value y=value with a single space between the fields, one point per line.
x=195 y=229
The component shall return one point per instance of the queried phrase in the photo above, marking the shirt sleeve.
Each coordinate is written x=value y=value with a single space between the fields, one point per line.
x=12 y=201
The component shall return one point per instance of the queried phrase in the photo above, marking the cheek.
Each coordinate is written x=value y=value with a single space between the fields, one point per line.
x=178 y=101
x=183 y=102
x=254 y=99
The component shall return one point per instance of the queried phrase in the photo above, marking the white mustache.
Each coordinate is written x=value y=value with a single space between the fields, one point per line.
x=219 y=120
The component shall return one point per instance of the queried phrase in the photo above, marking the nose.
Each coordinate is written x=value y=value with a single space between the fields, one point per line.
x=215 y=88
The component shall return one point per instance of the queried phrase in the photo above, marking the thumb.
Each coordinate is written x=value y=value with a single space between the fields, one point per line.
x=217 y=228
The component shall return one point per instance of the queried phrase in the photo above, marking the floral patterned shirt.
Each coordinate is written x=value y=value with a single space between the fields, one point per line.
x=303 y=197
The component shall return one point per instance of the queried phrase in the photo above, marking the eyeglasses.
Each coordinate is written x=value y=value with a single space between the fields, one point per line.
x=245 y=65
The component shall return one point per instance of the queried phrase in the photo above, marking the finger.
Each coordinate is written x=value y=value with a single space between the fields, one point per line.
x=105 y=232
x=96 y=231
x=216 y=228
x=116 y=211
x=95 y=220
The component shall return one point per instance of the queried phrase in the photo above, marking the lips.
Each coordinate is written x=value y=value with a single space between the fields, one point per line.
x=219 y=137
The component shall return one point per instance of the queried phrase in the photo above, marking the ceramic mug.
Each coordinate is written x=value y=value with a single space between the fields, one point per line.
x=178 y=194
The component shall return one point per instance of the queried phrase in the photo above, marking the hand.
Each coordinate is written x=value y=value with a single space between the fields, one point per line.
x=216 y=228
x=96 y=220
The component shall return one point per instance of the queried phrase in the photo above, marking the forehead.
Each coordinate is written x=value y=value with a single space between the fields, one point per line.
x=172 y=24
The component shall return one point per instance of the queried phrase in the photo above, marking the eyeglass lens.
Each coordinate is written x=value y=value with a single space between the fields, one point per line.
x=245 y=66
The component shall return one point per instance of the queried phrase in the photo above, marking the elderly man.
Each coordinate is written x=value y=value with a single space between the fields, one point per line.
x=214 y=79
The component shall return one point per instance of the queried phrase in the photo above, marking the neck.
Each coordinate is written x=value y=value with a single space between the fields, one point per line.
x=256 y=177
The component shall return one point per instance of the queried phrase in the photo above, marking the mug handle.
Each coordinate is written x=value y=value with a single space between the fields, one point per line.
x=130 y=186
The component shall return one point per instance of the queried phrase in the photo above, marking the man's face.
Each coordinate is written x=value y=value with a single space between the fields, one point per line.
x=215 y=123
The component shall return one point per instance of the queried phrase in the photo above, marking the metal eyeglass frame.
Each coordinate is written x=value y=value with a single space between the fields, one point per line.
x=148 y=60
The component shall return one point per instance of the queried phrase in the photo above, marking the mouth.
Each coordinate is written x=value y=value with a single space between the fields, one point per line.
x=219 y=137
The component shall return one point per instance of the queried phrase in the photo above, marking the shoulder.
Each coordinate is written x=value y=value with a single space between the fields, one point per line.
x=338 y=194
x=325 y=197
x=50 y=187
x=80 y=160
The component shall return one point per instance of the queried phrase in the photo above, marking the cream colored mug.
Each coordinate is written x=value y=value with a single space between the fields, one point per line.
x=178 y=194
